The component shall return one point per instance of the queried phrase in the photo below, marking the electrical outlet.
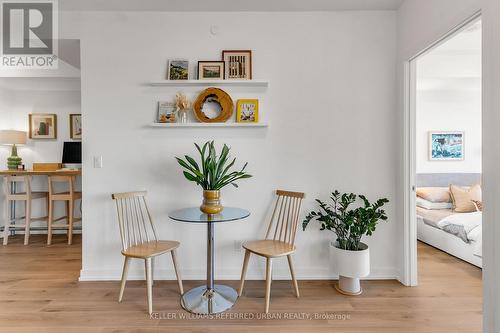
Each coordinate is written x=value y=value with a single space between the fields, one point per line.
x=97 y=162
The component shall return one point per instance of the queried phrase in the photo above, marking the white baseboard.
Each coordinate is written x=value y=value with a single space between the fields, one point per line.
x=233 y=274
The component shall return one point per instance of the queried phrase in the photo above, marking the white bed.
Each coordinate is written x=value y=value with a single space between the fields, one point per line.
x=441 y=228
x=435 y=236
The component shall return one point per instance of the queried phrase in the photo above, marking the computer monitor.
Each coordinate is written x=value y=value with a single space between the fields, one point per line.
x=72 y=155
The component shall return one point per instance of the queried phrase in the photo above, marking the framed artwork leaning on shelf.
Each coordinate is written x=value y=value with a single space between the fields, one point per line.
x=210 y=70
x=247 y=111
x=237 y=64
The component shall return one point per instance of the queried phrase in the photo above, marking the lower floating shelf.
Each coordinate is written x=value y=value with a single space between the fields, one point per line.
x=198 y=125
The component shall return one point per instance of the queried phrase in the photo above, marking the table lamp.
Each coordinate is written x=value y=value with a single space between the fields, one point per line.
x=13 y=137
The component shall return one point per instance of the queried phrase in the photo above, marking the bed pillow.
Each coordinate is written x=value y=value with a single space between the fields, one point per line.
x=463 y=197
x=478 y=204
x=434 y=194
x=433 y=205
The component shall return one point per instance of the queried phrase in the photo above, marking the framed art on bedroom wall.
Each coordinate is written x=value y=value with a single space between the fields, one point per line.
x=446 y=146
x=42 y=126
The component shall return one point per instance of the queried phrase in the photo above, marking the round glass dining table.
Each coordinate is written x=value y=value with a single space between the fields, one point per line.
x=210 y=298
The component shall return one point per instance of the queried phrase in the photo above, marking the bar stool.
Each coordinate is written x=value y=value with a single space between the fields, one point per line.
x=69 y=196
x=11 y=196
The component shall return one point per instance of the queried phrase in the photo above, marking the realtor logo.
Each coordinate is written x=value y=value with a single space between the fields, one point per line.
x=29 y=34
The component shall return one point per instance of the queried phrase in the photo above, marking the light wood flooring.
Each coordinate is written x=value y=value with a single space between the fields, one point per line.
x=40 y=292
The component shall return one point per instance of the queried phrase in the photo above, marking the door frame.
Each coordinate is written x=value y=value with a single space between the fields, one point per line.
x=410 y=274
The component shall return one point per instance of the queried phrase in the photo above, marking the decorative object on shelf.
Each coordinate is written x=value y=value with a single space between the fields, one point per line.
x=446 y=146
x=213 y=98
x=166 y=112
x=247 y=111
x=178 y=69
x=210 y=70
x=42 y=126
x=75 y=126
x=13 y=137
x=214 y=174
x=238 y=64
x=182 y=106
x=351 y=258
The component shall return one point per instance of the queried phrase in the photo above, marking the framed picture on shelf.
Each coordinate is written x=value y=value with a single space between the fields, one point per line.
x=75 y=126
x=42 y=126
x=446 y=146
x=210 y=70
x=247 y=111
x=237 y=64
x=166 y=112
x=178 y=69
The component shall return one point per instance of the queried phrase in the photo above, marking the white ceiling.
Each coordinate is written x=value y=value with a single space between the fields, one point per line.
x=227 y=5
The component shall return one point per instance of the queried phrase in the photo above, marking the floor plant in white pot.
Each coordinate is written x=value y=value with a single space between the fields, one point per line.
x=349 y=221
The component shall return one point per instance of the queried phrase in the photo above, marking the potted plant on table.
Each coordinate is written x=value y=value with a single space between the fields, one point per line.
x=351 y=257
x=212 y=174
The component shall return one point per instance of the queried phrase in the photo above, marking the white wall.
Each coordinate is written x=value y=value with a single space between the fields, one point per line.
x=449 y=99
x=330 y=106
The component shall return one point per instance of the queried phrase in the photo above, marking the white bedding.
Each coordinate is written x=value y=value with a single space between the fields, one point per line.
x=467 y=226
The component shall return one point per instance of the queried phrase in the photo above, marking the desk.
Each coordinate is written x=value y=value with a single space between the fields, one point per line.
x=34 y=173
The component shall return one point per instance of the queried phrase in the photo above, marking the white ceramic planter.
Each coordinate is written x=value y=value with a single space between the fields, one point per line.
x=350 y=266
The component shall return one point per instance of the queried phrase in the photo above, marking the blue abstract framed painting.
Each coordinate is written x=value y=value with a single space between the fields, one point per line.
x=446 y=146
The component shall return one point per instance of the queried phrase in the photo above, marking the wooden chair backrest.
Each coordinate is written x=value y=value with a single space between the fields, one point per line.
x=136 y=224
x=285 y=217
x=25 y=180
x=70 y=180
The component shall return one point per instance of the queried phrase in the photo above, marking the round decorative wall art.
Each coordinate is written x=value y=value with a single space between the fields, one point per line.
x=210 y=99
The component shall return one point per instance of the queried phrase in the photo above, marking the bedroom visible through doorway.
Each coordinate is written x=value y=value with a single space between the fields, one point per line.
x=447 y=153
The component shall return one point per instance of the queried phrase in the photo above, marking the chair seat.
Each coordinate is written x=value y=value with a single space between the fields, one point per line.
x=269 y=248
x=34 y=195
x=150 y=249
x=62 y=195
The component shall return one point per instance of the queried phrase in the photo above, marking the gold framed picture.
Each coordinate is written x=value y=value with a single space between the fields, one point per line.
x=42 y=126
x=247 y=111
x=75 y=126
x=238 y=64
x=210 y=70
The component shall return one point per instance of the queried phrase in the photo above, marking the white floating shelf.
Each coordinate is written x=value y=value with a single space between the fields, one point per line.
x=198 y=125
x=209 y=83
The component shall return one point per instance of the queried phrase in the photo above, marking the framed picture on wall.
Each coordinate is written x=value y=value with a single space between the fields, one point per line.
x=42 y=126
x=210 y=70
x=446 y=146
x=178 y=69
x=247 y=111
x=237 y=64
x=75 y=126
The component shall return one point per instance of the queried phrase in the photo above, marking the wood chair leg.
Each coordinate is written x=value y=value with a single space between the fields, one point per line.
x=153 y=259
x=27 y=222
x=149 y=284
x=244 y=272
x=70 y=220
x=7 y=222
x=124 y=278
x=49 y=222
x=177 y=273
x=292 y=272
x=269 y=268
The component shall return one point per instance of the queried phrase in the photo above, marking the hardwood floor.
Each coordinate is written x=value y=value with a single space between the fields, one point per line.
x=40 y=292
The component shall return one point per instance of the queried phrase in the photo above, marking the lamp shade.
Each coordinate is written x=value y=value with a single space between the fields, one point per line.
x=12 y=137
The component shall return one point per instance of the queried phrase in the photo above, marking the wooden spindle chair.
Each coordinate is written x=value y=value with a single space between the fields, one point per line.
x=279 y=240
x=140 y=239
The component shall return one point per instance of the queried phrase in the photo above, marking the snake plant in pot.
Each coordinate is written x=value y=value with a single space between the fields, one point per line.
x=212 y=173
x=351 y=257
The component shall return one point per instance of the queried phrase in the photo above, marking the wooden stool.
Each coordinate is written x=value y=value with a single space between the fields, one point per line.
x=26 y=195
x=69 y=196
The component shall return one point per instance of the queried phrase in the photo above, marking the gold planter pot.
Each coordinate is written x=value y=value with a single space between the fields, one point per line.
x=211 y=202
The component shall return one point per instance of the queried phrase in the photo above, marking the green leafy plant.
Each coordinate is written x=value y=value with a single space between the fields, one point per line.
x=348 y=224
x=215 y=171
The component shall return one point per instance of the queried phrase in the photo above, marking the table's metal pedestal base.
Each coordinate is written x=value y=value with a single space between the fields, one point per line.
x=200 y=300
